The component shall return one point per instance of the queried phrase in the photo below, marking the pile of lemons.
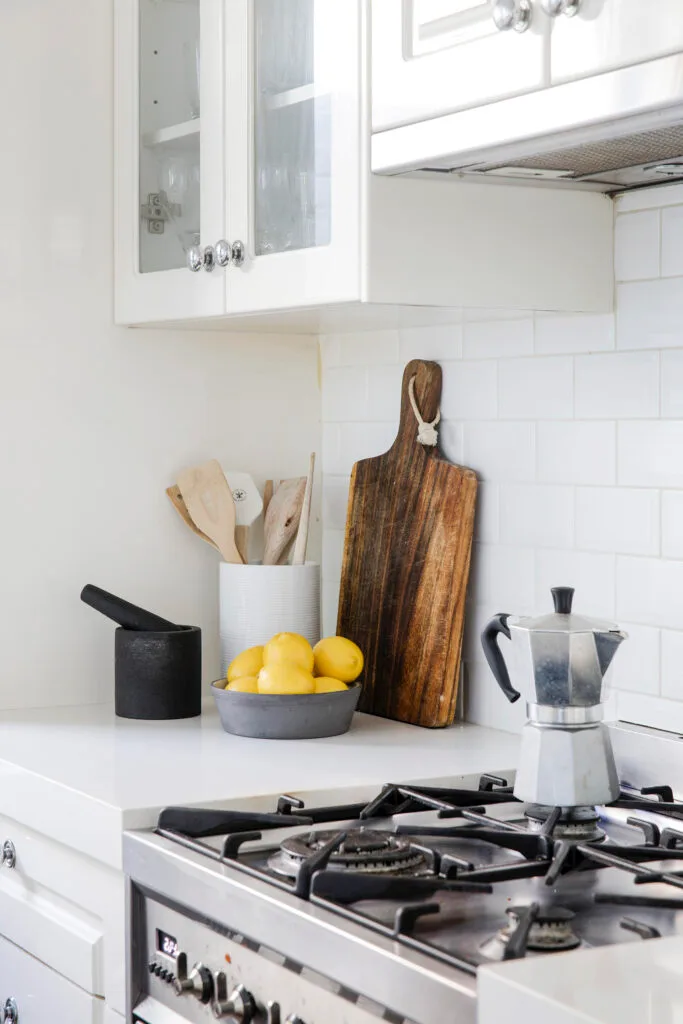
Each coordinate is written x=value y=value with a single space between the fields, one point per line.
x=288 y=664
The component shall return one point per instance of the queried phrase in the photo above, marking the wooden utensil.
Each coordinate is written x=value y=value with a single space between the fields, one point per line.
x=302 y=533
x=209 y=501
x=248 y=507
x=179 y=505
x=406 y=564
x=282 y=518
x=267 y=495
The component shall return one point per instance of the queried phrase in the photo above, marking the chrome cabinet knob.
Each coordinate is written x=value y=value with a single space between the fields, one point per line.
x=195 y=258
x=238 y=253
x=9 y=854
x=209 y=259
x=10 y=1013
x=239 y=1007
x=553 y=8
x=223 y=251
x=515 y=14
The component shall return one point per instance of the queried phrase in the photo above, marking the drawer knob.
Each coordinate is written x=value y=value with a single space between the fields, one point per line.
x=515 y=14
x=195 y=258
x=553 y=8
x=9 y=854
x=10 y=1013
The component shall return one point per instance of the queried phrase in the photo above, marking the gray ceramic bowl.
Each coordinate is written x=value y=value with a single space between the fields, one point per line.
x=296 y=716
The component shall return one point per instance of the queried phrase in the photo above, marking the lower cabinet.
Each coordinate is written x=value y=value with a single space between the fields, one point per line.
x=37 y=994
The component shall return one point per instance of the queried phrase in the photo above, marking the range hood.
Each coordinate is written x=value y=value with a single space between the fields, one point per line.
x=611 y=132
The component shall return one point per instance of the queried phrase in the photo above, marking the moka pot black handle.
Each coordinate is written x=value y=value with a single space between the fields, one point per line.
x=494 y=656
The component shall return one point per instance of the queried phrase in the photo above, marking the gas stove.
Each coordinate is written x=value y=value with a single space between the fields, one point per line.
x=366 y=905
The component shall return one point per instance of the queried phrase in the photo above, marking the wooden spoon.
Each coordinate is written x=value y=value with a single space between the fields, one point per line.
x=209 y=501
x=248 y=507
x=179 y=505
x=282 y=518
x=302 y=533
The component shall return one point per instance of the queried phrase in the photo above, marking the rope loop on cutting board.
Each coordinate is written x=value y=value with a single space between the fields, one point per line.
x=426 y=432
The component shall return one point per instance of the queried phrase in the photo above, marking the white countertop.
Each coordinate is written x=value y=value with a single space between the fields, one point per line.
x=633 y=983
x=82 y=775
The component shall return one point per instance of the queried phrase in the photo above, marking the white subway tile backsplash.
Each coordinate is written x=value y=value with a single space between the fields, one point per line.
x=498 y=338
x=469 y=390
x=636 y=246
x=650 y=314
x=672 y=384
x=574 y=426
x=624 y=385
x=578 y=453
x=650 y=453
x=672 y=527
x=618 y=519
x=649 y=591
x=636 y=664
x=335 y=501
x=345 y=393
x=354 y=349
x=451 y=437
x=672 y=241
x=535 y=516
x=501 y=451
x=361 y=441
x=535 y=389
x=556 y=334
x=443 y=341
x=591 y=575
x=672 y=664
x=384 y=393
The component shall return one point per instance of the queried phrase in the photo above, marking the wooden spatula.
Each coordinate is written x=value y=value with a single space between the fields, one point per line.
x=282 y=518
x=179 y=505
x=209 y=501
x=302 y=533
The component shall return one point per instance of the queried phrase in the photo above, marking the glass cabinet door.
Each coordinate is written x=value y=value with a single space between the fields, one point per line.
x=295 y=127
x=170 y=174
x=169 y=122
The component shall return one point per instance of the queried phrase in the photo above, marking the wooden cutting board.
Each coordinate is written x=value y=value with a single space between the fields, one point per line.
x=405 y=567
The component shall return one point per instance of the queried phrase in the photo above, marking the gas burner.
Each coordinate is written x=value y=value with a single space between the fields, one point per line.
x=551 y=930
x=575 y=823
x=362 y=850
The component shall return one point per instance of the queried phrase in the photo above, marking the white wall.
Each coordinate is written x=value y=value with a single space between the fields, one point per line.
x=575 y=427
x=95 y=421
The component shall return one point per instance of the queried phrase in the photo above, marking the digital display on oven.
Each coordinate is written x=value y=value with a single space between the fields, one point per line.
x=167 y=945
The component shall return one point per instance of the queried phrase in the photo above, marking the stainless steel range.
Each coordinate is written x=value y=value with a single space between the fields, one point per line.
x=359 y=906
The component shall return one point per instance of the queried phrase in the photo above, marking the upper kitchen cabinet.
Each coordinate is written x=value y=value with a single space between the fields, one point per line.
x=244 y=193
x=431 y=57
x=592 y=36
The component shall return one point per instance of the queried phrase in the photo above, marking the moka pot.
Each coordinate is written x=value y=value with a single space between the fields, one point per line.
x=558 y=664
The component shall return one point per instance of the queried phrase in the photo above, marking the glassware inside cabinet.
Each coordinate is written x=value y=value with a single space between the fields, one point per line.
x=292 y=158
x=169 y=121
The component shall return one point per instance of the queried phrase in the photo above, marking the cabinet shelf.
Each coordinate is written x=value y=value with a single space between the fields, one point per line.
x=178 y=136
x=290 y=97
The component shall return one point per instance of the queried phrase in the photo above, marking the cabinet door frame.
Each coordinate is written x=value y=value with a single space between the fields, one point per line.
x=170 y=294
x=304 y=277
x=413 y=79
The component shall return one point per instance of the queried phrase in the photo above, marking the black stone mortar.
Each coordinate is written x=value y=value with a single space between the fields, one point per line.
x=158 y=675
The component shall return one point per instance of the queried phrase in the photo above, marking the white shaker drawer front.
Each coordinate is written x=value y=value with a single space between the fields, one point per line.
x=57 y=903
x=40 y=995
x=432 y=57
x=607 y=34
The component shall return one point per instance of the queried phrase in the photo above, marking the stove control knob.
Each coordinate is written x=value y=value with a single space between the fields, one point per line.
x=198 y=982
x=238 y=1007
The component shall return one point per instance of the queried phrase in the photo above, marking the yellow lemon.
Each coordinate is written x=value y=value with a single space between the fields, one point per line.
x=248 y=663
x=325 y=684
x=339 y=658
x=245 y=684
x=285 y=678
x=289 y=649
